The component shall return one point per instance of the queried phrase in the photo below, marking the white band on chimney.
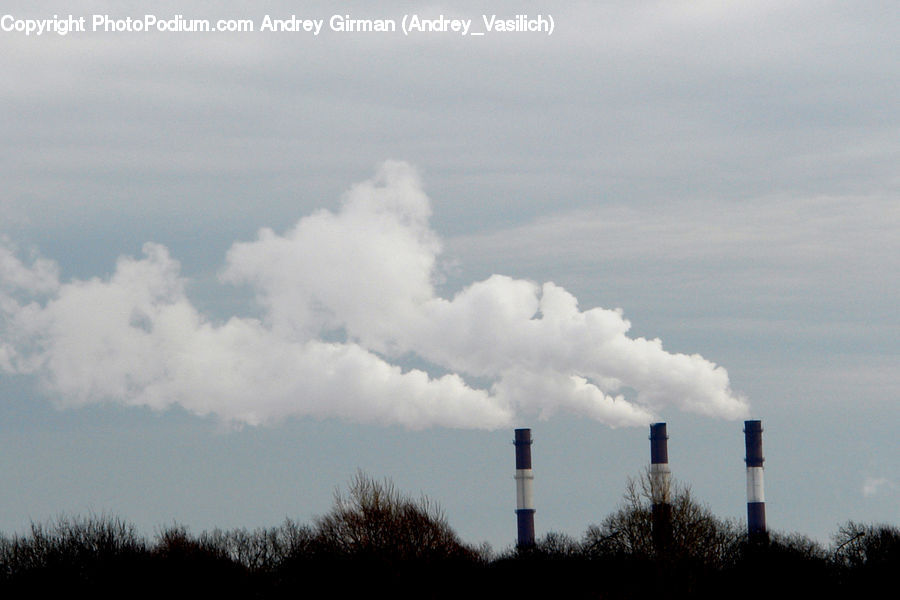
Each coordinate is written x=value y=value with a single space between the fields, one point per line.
x=524 y=489
x=660 y=481
x=755 y=485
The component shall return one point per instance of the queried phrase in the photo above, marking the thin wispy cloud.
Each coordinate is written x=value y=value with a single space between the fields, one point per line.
x=873 y=486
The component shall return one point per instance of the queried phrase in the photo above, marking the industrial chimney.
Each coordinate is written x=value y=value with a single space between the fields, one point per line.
x=660 y=484
x=524 y=488
x=756 y=498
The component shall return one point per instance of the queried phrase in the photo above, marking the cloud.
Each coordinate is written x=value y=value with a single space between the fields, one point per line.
x=347 y=297
x=874 y=485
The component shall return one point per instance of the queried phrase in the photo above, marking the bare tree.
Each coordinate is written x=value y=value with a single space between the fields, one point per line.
x=374 y=519
x=696 y=533
x=858 y=545
x=70 y=543
x=262 y=549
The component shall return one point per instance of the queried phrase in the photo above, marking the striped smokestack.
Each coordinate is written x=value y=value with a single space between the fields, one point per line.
x=660 y=482
x=756 y=497
x=524 y=488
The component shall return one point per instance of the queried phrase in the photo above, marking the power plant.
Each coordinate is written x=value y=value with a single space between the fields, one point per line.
x=756 y=497
x=524 y=488
x=660 y=486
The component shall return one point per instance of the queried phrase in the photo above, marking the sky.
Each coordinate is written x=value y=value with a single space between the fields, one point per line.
x=236 y=267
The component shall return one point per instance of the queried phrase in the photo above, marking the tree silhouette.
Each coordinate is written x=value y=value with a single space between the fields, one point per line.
x=374 y=519
x=696 y=533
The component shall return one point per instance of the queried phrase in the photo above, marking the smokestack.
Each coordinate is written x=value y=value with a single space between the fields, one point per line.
x=524 y=488
x=660 y=482
x=756 y=498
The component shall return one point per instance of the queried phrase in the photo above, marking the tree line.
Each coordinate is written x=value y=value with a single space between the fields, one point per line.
x=376 y=538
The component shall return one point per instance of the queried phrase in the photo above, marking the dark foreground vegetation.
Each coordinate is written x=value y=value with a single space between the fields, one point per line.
x=377 y=540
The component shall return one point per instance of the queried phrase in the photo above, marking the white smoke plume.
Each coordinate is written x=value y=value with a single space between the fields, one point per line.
x=363 y=275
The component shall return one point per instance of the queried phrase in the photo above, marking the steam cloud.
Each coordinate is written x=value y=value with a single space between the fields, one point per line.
x=365 y=276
